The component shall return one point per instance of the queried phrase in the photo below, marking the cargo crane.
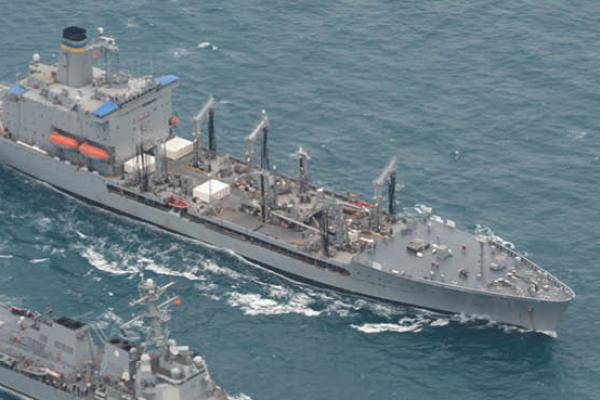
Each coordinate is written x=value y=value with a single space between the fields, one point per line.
x=388 y=175
x=207 y=110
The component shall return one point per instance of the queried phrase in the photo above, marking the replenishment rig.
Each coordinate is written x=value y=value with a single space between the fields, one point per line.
x=88 y=128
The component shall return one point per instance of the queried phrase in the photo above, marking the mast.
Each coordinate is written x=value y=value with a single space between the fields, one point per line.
x=324 y=228
x=388 y=175
x=206 y=110
x=303 y=174
x=261 y=129
x=105 y=46
x=155 y=314
x=212 y=142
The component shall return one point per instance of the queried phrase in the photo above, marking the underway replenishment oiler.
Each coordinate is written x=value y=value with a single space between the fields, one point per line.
x=110 y=138
x=45 y=357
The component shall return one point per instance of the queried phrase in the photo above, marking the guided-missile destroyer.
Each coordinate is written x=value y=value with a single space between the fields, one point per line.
x=90 y=129
x=47 y=357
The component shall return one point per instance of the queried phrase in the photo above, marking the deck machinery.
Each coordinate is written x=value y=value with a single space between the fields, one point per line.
x=92 y=130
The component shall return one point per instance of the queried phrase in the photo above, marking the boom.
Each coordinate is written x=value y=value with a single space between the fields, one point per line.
x=207 y=110
x=261 y=129
x=388 y=175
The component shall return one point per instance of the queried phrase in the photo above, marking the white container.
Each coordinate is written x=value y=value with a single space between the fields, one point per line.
x=177 y=148
x=134 y=165
x=211 y=190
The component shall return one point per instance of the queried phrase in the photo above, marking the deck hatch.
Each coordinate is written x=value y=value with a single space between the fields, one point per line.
x=417 y=246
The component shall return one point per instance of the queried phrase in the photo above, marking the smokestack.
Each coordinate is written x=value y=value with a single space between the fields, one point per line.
x=74 y=65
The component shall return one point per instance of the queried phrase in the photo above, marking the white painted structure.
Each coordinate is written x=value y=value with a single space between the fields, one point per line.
x=211 y=190
x=134 y=164
x=178 y=147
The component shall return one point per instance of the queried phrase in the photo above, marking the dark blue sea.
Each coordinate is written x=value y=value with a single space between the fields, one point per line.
x=493 y=109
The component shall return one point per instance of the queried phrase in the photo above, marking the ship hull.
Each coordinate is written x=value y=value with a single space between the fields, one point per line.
x=22 y=385
x=537 y=315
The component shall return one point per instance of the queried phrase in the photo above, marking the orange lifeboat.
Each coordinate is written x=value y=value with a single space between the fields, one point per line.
x=361 y=203
x=94 y=152
x=54 y=374
x=63 y=141
x=178 y=202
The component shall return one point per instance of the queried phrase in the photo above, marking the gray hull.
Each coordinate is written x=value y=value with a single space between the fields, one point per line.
x=30 y=388
x=538 y=315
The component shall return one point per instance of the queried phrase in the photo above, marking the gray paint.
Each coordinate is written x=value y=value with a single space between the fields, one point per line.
x=481 y=276
x=49 y=358
x=363 y=279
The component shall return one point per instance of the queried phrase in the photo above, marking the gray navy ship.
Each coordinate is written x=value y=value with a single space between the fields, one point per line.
x=46 y=357
x=90 y=129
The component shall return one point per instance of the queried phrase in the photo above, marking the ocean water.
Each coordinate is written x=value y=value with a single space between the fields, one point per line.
x=492 y=109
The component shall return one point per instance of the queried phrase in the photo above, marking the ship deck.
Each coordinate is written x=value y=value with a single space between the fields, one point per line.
x=228 y=209
x=449 y=256
x=457 y=258
x=446 y=255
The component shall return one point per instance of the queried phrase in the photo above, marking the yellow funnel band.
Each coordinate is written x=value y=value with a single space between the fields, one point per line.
x=70 y=49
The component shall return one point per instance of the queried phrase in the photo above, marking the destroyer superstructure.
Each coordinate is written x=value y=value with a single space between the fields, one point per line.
x=111 y=138
x=45 y=357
